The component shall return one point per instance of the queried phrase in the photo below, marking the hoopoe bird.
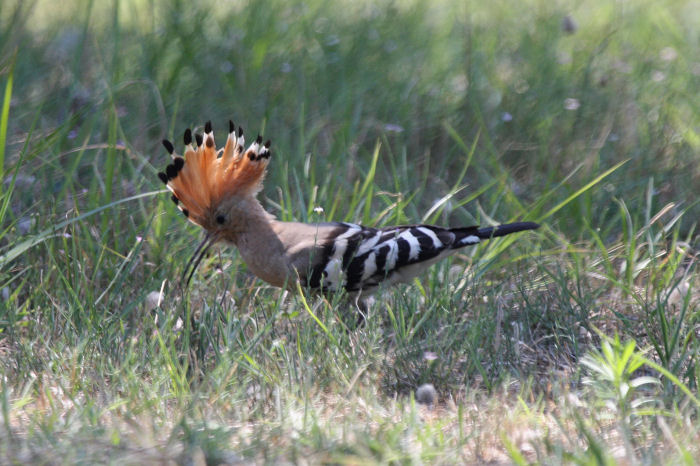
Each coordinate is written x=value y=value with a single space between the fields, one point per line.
x=217 y=188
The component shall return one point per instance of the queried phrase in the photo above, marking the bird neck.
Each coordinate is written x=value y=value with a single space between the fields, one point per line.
x=260 y=246
x=253 y=220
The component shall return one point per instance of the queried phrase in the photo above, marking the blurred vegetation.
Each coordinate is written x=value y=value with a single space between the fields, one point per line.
x=577 y=343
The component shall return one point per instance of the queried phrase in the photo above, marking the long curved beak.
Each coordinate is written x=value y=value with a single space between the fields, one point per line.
x=197 y=257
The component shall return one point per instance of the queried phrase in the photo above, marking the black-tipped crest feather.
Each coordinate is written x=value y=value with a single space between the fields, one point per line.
x=168 y=146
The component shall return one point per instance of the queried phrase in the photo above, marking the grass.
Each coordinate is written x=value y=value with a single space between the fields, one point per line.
x=577 y=343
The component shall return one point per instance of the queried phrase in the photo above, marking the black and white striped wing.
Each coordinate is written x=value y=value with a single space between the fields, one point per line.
x=361 y=258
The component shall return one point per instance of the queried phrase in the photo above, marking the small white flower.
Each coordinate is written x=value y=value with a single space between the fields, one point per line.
x=658 y=76
x=393 y=128
x=668 y=54
x=571 y=104
x=179 y=324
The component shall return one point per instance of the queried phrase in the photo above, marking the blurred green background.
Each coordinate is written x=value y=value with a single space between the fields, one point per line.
x=550 y=91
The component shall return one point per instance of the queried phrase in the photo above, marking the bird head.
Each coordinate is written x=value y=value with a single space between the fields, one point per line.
x=215 y=187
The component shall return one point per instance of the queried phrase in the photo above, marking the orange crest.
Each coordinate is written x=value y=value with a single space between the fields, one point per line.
x=206 y=177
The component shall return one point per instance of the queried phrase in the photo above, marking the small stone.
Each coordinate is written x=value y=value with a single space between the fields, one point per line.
x=668 y=54
x=24 y=225
x=568 y=25
x=153 y=300
x=678 y=293
x=426 y=394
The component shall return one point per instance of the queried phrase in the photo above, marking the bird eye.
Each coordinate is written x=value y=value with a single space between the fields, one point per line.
x=220 y=219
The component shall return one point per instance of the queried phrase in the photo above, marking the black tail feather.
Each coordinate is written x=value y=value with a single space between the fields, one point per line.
x=505 y=229
x=466 y=236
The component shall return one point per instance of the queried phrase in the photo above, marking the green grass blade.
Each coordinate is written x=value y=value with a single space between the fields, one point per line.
x=5 y=117
x=27 y=244
x=581 y=190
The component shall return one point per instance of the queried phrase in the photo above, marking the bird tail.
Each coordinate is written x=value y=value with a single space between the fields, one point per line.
x=473 y=235
x=505 y=229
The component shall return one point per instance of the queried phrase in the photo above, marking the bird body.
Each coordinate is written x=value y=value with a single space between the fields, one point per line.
x=217 y=190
